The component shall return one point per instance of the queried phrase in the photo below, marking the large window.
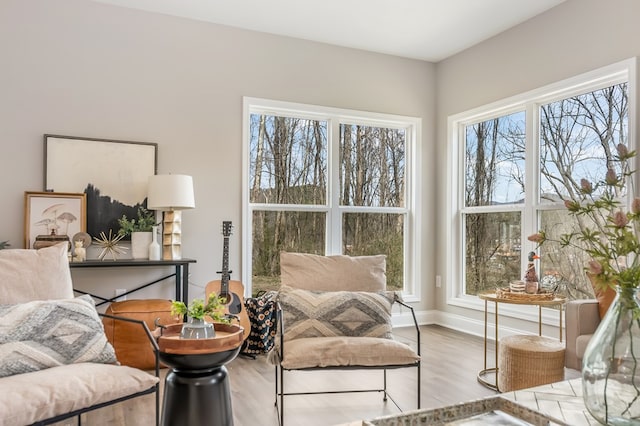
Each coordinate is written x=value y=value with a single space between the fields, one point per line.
x=327 y=181
x=494 y=186
x=514 y=164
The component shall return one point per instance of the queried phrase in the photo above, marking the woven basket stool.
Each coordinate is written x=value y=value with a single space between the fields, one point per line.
x=527 y=361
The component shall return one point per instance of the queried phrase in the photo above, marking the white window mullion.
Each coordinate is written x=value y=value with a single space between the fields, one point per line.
x=334 y=216
x=532 y=182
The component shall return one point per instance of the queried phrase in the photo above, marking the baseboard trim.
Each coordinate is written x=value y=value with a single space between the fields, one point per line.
x=456 y=322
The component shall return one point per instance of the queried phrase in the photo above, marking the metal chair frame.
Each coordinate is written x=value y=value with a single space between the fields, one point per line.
x=154 y=389
x=279 y=370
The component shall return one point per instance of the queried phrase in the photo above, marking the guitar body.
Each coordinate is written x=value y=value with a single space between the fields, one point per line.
x=231 y=291
x=235 y=302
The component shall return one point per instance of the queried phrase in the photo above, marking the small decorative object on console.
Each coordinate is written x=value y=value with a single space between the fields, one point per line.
x=52 y=239
x=79 y=252
x=110 y=245
x=81 y=241
x=155 y=251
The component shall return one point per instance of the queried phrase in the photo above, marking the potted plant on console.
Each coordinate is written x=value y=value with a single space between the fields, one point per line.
x=140 y=230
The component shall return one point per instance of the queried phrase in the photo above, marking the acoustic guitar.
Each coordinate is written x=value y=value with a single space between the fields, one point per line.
x=231 y=291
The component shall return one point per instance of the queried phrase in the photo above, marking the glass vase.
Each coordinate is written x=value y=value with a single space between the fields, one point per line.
x=610 y=369
x=196 y=328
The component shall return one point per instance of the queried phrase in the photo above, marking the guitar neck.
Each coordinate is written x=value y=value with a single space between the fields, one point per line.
x=226 y=274
x=224 y=287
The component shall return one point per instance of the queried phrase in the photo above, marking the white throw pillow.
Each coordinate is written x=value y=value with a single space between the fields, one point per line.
x=27 y=275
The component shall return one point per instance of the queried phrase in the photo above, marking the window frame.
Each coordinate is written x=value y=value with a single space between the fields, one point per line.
x=529 y=102
x=334 y=118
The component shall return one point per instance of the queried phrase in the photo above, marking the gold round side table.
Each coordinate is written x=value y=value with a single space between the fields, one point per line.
x=498 y=299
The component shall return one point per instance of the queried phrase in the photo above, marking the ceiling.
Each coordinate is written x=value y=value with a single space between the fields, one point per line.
x=429 y=30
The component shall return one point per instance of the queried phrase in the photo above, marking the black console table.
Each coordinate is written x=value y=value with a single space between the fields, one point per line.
x=181 y=274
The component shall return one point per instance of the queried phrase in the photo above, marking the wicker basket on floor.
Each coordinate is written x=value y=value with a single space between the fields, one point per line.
x=527 y=361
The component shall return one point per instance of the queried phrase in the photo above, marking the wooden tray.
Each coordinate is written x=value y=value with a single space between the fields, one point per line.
x=228 y=336
x=506 y=293
x=479 y=412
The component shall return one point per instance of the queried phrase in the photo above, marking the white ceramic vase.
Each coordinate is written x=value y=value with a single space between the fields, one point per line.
x=140 y=245
x=154 y=246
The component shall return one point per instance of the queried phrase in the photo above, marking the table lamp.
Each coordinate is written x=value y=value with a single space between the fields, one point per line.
x=171 y=194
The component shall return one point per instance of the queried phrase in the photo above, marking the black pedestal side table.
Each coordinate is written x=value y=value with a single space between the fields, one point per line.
x=197 y=390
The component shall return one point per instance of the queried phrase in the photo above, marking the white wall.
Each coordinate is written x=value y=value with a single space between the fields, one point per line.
x=79 y=68
x=575 y=37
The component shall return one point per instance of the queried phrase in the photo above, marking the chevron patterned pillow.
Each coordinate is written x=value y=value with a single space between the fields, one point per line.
x=336 y=313
x=47 y=333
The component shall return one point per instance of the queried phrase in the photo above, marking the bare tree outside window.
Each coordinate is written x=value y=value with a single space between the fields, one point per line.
x=577 y=139
x=494 y=181
x=288 y=160
x=288 y=166
x=372 y=170
x=289 y=187
x=372 y=166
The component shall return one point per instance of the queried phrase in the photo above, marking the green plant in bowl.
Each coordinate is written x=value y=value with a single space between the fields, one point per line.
x=198 y=310
x=144 y=223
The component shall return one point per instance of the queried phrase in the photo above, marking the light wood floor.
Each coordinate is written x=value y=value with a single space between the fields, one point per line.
x=450 y=362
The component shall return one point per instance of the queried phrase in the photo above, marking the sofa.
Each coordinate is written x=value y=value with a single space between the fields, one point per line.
x=582 y=319
x=55 y=360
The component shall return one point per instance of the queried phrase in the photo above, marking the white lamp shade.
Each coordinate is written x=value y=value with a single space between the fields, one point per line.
x=170 y=192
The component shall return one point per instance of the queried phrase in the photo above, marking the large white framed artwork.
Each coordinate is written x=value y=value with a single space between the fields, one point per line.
x=112 y=173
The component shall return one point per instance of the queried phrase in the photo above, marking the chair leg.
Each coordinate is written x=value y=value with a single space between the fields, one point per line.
x=419 y=375
x=384 y=374
x=276 y=394
x=281 y=396
x=158 y=404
